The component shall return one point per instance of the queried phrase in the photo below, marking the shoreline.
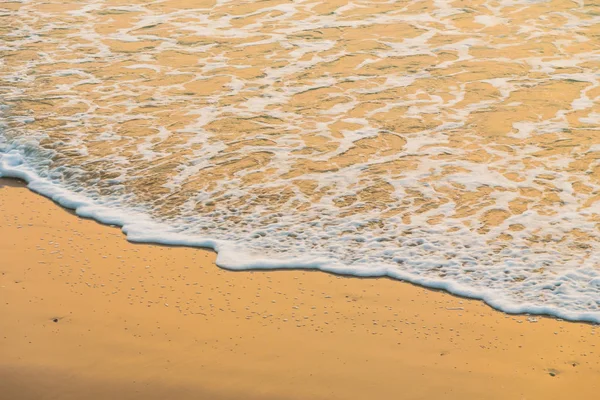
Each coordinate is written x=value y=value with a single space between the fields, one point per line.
x=184 y=327
x=211 y=245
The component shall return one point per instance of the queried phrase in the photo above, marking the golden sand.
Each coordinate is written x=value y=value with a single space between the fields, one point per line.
x=87 y=315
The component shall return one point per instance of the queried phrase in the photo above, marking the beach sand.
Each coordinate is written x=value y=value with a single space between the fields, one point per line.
x=87 y=315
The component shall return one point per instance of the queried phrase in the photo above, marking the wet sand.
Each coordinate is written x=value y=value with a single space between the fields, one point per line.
x=86 y=314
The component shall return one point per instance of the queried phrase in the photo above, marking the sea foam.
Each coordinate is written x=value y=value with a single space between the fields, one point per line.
x=450 y=147
x=138 y=227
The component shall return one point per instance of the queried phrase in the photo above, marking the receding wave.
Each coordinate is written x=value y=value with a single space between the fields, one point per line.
x=452 y=144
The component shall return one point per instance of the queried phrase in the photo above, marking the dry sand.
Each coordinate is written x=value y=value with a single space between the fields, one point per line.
x=153 y=322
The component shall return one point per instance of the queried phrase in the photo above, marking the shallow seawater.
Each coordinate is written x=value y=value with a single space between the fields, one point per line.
x=455 y=144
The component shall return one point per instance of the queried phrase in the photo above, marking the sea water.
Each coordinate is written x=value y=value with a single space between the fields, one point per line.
x=453 y=144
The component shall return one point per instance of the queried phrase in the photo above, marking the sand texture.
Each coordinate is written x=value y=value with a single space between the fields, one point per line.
x=154 y=322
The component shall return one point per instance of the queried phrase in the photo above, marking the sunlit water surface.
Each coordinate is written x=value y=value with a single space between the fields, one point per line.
x=455 y=144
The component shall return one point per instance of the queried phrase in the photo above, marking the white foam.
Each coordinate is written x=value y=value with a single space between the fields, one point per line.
x=553 y=274
x=140 y=228
x=490 y=20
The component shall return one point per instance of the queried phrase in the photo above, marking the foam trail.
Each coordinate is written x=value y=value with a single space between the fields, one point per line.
x=139 y=228
x=452 y=147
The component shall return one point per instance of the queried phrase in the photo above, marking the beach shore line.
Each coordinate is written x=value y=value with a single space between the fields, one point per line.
x=87 y=314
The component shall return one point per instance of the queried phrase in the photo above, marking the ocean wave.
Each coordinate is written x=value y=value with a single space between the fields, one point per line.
x=451 y=147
